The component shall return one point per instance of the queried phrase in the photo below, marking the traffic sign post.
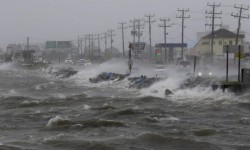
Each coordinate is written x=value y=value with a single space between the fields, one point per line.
x=130 y=61
x=138 y=48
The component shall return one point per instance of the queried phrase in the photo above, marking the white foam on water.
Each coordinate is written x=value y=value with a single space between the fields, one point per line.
x=197 y=94
x=59 y=95
x=202 y=95
x=158 y=89
x=85 y=107
x=28 y=102
x=171 y=119
x=11 y=92
x=56 y=120
x=82 y=77
x=60 y=136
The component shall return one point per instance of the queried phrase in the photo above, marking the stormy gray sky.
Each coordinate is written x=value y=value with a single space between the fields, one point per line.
x=43 y=20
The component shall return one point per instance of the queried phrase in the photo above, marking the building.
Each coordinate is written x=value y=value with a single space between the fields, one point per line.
x=172 y=54
x=222 y=37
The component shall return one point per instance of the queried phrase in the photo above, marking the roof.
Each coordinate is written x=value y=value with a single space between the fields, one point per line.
x=223 y=33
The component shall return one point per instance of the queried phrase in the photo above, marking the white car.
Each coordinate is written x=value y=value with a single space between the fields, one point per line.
x=68 y=61
x=87 y=63
x=80 y=62
x=160 y=68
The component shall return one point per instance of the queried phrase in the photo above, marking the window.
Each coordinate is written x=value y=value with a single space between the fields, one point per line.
x=230 y=42
x=220 y=42
x=205 y=43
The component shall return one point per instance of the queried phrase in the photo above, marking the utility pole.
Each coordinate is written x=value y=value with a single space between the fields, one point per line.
x=92 y=47
x=28 y=47
x=78 y=44
x=183 y=17
x=239 y=16
x=213 y=17
x=139 y=34
x=133 y=32
x=122 y=27
x=165 y=34
x=81 y=41
x=85 y=45
x=89 y=46
x=105 y=40
x=111 y=39
x=149 y=21
x=99 y=48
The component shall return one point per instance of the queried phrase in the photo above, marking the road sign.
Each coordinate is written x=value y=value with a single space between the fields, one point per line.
x=139 y=46
x=133 y=32
x=233 y=49
x=63 y=44
x=50 y=44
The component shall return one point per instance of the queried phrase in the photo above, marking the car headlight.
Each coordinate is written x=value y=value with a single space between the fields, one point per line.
x=200 y=74
x=210 y=73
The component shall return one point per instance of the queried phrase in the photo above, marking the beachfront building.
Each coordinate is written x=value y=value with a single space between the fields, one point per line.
x=222 y=37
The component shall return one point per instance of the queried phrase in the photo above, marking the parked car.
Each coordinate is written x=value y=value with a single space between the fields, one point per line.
x=87 y=62
x=68 y=61
x=160 y=68
x=80 y=62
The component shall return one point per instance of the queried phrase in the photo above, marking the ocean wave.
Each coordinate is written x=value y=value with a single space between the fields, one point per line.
x=105 y=107
x=58 y=120
x=85 y=107
x=61 y=72
x=29 y=103
x=16 y=101
x=65 y=122
x=205 y=132
x=245 y=121
x=70 y=143
x=163 y=142
x=126 y=112
x=6 y=147
x=58 y=137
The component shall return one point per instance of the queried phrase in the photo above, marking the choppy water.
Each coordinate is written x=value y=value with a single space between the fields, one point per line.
x=39 y=111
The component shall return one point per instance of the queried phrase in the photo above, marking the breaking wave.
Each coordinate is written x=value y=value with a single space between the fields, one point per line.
x=65 y=122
